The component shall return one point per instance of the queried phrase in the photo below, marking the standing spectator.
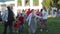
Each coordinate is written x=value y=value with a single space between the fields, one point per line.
x=0 y=16
x=5 y=19
x=8 y=18
x=28 y=12
x=18 y=14
x=58 y=13
x=24 y=14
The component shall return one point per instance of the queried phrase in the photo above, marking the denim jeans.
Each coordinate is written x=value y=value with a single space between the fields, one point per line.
x=21 y=27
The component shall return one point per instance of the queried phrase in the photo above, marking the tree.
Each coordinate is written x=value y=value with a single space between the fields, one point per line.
x=59 y=4
x=47 y=3
x=50 y=3
x=19 y=2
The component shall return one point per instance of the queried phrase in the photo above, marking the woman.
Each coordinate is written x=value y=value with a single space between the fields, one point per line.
x=32 y=22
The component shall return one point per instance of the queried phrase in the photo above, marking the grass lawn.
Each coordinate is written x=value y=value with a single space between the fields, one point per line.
x=53 y=27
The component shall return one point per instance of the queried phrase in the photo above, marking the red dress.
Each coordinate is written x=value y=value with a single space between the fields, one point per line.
x=19 y=22
x=16 y=24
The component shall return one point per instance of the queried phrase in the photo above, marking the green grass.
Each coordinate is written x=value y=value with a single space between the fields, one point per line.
x=53 y=27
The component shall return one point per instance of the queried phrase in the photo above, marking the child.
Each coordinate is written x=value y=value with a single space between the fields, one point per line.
x=16 y=25
x=19 y=24
x=21 y=19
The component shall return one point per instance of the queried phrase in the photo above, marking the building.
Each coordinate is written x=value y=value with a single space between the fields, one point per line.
x=4 y=3
x=31 y=4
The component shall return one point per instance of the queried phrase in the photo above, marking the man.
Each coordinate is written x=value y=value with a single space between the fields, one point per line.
x=8 y=18
x=44 y=16
x=0 y=16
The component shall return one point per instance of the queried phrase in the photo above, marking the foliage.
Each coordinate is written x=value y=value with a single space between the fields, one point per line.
x=19 y=3
x=46 y=3
x=49 y=3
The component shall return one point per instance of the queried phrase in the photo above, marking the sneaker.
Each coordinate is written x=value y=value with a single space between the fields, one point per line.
x=17 y=32
x=13 y=31
x=41 y=30
x=46 y=30
x=29 y=33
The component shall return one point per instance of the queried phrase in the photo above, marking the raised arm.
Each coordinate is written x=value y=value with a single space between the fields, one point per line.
x=37 y=16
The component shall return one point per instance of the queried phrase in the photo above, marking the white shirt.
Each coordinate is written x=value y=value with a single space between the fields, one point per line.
x=44 y=14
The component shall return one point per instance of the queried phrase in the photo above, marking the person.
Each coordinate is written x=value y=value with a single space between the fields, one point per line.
x=4 y=19
x=41 y=21
x=24 y=14
x=58 y=13
x=0 y=16
x=8 y=18
x=26 y=1
x=18 y=14
x=37 y=13
x=45 y=16
x=21 y=20
x=32 y=22
x=28 y=12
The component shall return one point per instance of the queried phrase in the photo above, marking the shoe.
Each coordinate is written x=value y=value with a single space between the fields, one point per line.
x=46 y=30
x=13 y=31
x=41 y=30
x=17 y=32
x=29 y=33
